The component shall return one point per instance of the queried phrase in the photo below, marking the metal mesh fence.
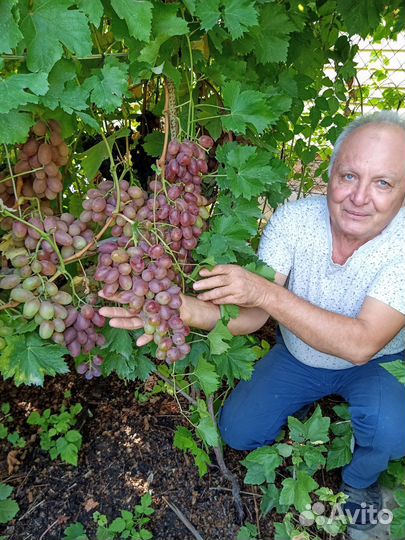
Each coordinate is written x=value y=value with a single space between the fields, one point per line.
x=380 y=80
x=379 y=84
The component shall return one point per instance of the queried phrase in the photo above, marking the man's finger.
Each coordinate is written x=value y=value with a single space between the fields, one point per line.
x=109 y=311
x=214 y=294
x=127 y=324
x=209 y=283
x=143 y=340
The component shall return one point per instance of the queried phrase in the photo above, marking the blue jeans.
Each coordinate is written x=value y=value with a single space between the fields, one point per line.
x=257 y=410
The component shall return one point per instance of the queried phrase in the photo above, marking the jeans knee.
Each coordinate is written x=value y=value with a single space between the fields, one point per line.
x=235 y=436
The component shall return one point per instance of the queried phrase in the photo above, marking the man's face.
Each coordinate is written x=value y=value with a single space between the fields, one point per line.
x=367 y=184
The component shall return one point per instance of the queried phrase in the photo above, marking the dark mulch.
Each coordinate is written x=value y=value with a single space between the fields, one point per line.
x=127 y=450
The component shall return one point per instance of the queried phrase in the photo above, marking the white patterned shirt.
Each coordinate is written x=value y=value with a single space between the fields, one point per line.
x=297 y=242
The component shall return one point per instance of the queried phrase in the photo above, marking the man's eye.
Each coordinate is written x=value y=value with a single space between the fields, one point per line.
x=349 y=177
x=383 y=183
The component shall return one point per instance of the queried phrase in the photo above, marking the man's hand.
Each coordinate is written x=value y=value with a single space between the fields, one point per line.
x=231 y=284
x=124 y=318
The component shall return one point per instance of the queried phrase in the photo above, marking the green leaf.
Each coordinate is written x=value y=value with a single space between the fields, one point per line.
x=245 y=212
x=119 y=341
x=92 y=158
x=118 y=525
x=109 y=86
x=29 y=358
x=296 y=492
x=225 y=242
x=93 y=9
x=13 y=90
x=207 y=376
x=153 y=144
x=248 y=108
x=206 y=429
x=208 y=12
x=50 y=25
x=270 y=39
x=397 y=369
x=183 y=440
x=73 y=436
x=218 y=338
x=237 y=361
x=75 y=531
x=5 y=491
x=247 y=172
x=8 y=509
x=317 y=427
x=361 y=17
x=10 y=34
x=64 y=89
x=138 y=16
x=261 y=465
x=261 y=269
x=228 y=312
x=399 y=496
x=270 y=499
x=14 y=127
x=239 y=15
x=397 y=527
x=339 y=453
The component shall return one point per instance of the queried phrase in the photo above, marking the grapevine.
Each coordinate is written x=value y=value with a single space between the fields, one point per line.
x=142 y=261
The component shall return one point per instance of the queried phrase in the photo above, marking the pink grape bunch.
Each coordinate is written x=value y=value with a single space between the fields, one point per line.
x=81 y=335
x=40 y=160
x=146 y=275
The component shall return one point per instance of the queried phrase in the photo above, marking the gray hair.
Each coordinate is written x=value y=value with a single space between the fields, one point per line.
x=380 y=117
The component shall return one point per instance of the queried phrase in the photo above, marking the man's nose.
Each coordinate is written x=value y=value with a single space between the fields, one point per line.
x=360 y=194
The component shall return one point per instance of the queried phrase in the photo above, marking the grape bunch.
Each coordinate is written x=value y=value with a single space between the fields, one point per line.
x=92 y=368
x=45 y=152
x=81 y=334
x=145 y=275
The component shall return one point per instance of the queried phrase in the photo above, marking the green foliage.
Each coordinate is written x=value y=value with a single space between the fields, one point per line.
x=302 y=456
x=12 y=437
x=397 y=369
x=183 y=440
x=75 y=531
x=247 y=532
x=397 y=527
x=130 y=525
x=8 y=507
x=56 y=435
x=28 y=358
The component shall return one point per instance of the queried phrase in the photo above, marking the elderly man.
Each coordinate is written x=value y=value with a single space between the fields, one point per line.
x=339 y=297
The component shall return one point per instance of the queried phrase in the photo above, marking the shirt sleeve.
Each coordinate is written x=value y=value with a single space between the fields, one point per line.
x=277 y=243
x=389 y=285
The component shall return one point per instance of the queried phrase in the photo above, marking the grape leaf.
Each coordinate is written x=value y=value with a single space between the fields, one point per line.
x=205 y=428
x=153 y=144
x=64 y=90
x=8 y=509
x=239 y=15
x=118 y=341
x=165 y=25
x=339 y=452
x=208 y=12
x=14 y=127
x=92 y=8
x=225 y=242
x=296 y=491
x=207 y=376
x=245 y=212
x=138 y=16
x=262 y=269
x=397 y=369
x=93 y=157
x=246 y=172
x=237 y=361
x=75 y=531
x=247 y=108
x=190 y=5
x=28 y=358
x=218 y=338
x=361 y=17
x=13 y=90
x=47 y=27
x=108 y=87
x=270 y=39
x=10 y=34
x=183 y=440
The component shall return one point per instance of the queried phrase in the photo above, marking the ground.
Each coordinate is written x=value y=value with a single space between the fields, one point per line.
x=127 y=449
